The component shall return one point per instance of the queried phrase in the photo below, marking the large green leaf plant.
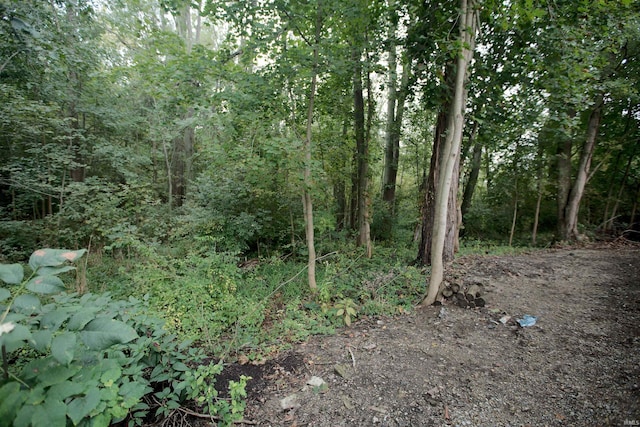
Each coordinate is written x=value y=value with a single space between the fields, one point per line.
x=89 y=360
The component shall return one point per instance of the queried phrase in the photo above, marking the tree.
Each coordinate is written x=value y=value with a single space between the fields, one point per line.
x=306 y=198
x=396 y=98
x=578 y=90
x=451 y=147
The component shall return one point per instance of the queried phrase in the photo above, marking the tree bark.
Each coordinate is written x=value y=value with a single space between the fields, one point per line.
x=570 y=230
x=472 y=181
x=612 y=182
x=539 y=189
x=307 y=204
x=429 y=203
x=451 y=150
x=620 y=191
x=564 y=181
x=362 y=156
x=340 y=190
x=395 y=112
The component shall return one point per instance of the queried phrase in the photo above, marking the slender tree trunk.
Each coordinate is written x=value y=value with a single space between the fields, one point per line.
x=472 y=181
x=536 y=217
x=515 y=215
x=539 y=182
x=390 y=152
x=340 y=189
x=634 y=209
x=395 y=112
x=451 y=149
x=306 y=198
x=516 y=159
x=167 y=162
x=77 y=170
x=564 y=182
x=362 y=156
x=612 y=181
x=570 y=231
x=622 y=187
x=435 y=167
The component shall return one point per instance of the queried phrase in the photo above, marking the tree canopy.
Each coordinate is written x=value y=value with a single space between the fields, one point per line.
x=149 y=122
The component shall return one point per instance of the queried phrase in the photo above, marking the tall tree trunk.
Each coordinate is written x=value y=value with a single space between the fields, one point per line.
x=570 y=230
x=516 y=159
x=472 y=181
x=515 y=217
x=429 y=202
x=362 y=156
x=77 y=169
x=390 y=152
x=451 y=150
x=623 y=181
x=395 y=111
x=539 y=189
x=340 y=189
x=307 y=204
x=612 y=182
x=634 y=208
x=181 y=163
x=563 y=158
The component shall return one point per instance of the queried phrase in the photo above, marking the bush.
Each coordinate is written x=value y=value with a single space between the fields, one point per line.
x=92 y=360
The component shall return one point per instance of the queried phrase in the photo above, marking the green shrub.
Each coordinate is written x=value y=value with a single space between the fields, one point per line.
x=91 y=360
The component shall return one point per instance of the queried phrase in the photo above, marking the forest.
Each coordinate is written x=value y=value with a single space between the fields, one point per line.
x=228 y=178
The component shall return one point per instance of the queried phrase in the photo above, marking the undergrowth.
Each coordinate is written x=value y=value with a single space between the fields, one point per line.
x=230 y=309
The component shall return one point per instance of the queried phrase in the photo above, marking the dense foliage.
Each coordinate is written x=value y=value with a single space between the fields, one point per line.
x=175 y=139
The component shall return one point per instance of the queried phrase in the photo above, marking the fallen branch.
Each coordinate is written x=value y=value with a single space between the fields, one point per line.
x=353 y=359
x=214 y=417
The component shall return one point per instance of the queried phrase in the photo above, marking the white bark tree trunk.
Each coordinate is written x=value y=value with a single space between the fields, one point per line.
x=451 y=149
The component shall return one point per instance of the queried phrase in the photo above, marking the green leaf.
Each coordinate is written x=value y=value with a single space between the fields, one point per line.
x=4 y=294
x=41 y=340
x=11 y=273
x=23 y=417
x=133 y=392
x=16 y=338
x=52 y=413
x=36 y=395
x=63 y=347
x=53 y=319
x=11 y=399
x=81 y=318
x=81 y=407
x=102 y=333
x=180 y=367
x=27 y=304
x=54 y=271
x=46 y=285
x=57 y=374
x=53 y=257
x=111 y=376
x=65 y=389
x=101 y=420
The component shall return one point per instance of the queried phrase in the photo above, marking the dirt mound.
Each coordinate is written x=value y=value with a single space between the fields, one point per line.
x=577 y=366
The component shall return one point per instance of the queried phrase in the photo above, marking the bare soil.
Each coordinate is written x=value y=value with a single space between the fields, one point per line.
x=579 y=365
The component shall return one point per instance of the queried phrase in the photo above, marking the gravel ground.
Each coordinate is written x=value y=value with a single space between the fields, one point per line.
x=579 y=365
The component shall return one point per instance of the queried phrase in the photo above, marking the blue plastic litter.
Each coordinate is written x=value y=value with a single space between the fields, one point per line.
x=527 y=320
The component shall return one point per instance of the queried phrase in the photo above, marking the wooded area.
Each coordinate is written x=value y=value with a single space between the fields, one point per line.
x=132 y=122
x=123 y=120
x=179 y=139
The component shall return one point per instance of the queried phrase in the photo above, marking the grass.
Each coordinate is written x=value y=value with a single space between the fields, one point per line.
x=230 y=311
